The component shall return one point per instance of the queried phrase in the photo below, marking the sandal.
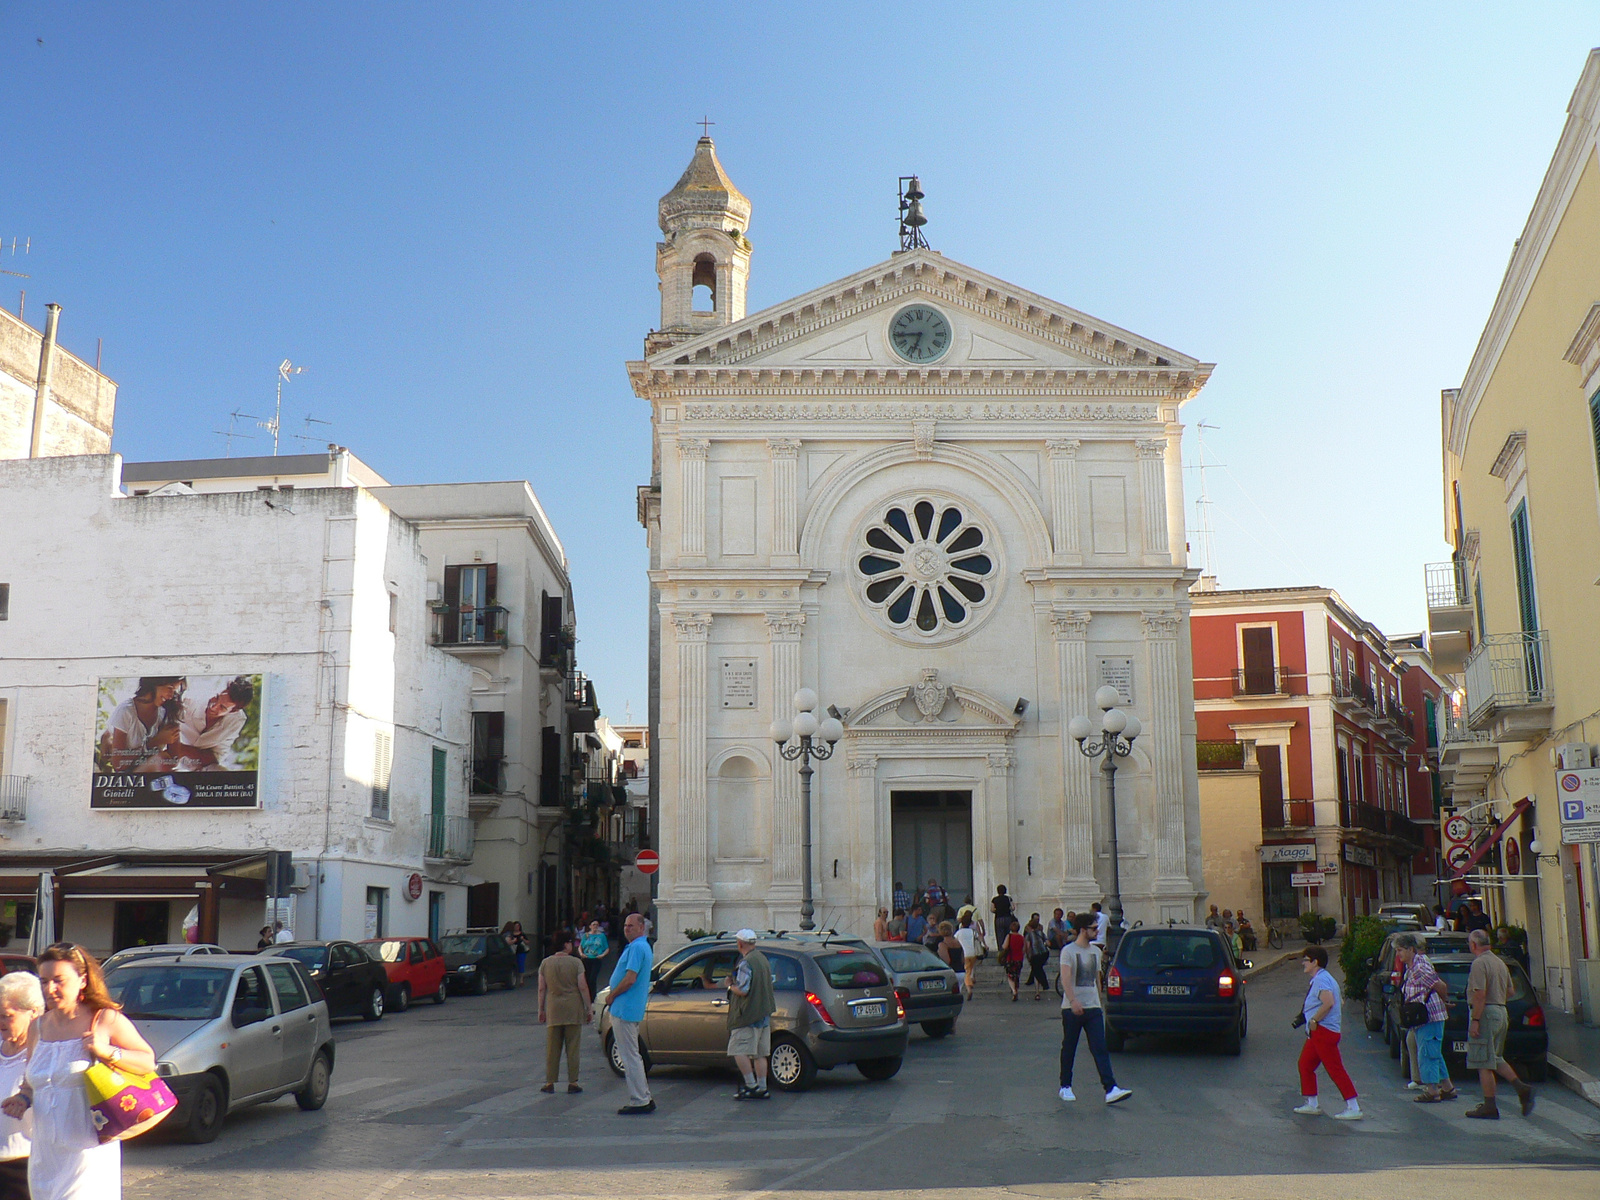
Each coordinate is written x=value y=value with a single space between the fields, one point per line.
x=1426 y=1098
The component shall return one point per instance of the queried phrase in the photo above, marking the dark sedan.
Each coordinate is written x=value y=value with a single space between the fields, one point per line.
x=1527 y=1039
x=475 y=961
x=1175 y=980
x=353 y=982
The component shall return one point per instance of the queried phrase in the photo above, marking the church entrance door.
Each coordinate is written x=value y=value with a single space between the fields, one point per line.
x=933 y=840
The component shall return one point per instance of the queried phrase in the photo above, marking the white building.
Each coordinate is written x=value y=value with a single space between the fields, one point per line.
x=51 y=401
x=930 y=495
x=355 y=747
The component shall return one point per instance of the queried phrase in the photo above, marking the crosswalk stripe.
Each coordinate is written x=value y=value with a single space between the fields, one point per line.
x=1579 y=1123
x=417 y=1097
x=1510 y=1125
x=351 y=1086
x=509 y=1102
x=673 y=1137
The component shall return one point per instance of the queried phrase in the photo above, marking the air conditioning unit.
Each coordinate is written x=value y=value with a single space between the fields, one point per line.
x=1575 y=756
x=435 y=590
x=302 y=877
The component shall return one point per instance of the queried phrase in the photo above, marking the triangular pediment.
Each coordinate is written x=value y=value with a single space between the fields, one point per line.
x=994 y=327
x=928 y=706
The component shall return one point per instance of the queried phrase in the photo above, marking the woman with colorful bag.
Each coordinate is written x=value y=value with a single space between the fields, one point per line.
x=82 y=1028
x=21 y=1004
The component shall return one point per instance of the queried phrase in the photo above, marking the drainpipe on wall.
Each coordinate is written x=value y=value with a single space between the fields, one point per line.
x=47 y=365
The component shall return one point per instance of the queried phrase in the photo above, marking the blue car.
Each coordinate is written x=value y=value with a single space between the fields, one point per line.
x=1176 y=979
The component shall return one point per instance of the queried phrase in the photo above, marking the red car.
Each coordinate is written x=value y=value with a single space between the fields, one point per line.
x=415 y=966
x=12 y=961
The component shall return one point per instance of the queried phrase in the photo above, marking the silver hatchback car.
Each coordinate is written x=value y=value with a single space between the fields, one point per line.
x=228 y=1030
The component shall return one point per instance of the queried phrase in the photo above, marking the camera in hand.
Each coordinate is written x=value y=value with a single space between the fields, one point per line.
x=1299 y=1020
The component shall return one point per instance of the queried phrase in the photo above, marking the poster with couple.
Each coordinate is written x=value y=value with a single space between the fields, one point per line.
x=177 y=741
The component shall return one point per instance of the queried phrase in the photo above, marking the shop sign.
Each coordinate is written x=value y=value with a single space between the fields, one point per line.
x=1307 y=879
x=1289 y=852
x=1359 y=855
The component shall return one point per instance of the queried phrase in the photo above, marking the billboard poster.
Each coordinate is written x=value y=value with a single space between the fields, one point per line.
x=177 y=741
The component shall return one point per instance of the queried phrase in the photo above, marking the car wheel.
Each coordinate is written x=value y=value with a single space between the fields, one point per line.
x=1232 y=1041
x=879 y=1069
x=1374 y=1023
x=939 y=1029
x=209 y=1109
x=374 y=1009
x=402 y=1000
x=1116 y=1040
x=315 y=1093
x=1534 y=1070
x=791 y=1066
x=443 y=993
x=1244 y=1021
x=1397 y=1042
x=480 y=984
x=615 y=1058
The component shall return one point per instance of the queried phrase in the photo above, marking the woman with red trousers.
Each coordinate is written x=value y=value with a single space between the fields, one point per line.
x=1320 y=1013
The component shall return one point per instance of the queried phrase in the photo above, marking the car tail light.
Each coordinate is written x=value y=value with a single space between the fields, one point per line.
x=1535 y=1017
x=901 y=995
x=1113 y=983
x=815 y=1001
x=1225 y=985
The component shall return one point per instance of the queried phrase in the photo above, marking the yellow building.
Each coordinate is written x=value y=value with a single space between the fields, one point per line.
x=1516 y=614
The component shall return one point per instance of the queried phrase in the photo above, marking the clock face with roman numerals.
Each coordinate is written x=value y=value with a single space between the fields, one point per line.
x=920 y=333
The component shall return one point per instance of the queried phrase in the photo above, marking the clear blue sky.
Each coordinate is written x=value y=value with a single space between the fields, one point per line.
x=448 y=213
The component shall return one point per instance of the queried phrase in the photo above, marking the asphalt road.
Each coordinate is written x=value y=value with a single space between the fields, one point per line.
x=444 y=1102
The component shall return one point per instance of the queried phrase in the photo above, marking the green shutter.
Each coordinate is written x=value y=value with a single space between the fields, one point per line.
x=1594 y=425
x=439 y=763
x=1522 y=555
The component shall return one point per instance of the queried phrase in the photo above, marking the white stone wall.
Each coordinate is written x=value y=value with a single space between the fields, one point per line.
x=295 y=587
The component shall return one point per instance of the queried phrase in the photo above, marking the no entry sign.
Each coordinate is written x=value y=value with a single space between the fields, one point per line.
x=647 y=862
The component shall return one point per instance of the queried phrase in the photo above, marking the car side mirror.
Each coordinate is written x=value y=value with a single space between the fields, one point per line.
x=243 y=1017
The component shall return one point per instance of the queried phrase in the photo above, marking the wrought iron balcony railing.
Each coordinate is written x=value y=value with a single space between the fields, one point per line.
x=451 y=838
x=1508 y=671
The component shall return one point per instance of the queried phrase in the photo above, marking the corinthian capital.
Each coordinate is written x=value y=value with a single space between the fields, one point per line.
x=861 y=765
x=692 y=627
x=1070 y=626
x=784 y=447
x=693 y=447
x=784 y=626
x=1063 y=447
x=1152 y=447
x=1160 y=624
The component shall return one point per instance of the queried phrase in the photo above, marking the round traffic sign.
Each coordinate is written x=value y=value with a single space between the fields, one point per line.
x=1458 y=856
x=414 y=887
x=1458 y=829
x=647 y=862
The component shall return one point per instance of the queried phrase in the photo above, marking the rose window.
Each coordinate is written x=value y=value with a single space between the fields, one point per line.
x=926 y=567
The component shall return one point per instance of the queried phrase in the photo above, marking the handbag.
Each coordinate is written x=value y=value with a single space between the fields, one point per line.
x=123 y=1104
x=1413 y=1013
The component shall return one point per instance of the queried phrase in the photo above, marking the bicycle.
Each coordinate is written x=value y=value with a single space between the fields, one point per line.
x=1274 y=937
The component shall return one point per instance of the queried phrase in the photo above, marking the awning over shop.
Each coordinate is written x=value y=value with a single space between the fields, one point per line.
x=1488 y=843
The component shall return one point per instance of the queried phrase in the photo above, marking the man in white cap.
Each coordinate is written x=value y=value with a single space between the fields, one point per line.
x=750 y=1009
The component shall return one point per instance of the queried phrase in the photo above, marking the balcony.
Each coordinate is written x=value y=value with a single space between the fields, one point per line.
x=1509 y=689
x=470 y=628
x=450 y=839
x=1219 y=756
x=1258 y=681
x=1393 y=721
x=1467 y=757
x=14 y=797
x=488 y=776
x=1299 y=814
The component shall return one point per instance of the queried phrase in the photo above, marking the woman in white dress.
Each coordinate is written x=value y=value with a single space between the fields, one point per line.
x=21 y=1003
x=81 y=1025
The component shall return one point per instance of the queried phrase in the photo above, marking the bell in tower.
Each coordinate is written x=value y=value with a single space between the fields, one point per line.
x=704 y=263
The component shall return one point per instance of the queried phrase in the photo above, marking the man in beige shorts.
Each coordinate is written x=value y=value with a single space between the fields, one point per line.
x=1488 y=986
x=750 y=1009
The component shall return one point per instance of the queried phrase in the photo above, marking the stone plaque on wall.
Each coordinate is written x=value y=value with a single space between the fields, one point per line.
x=1118 y=673
x=738 y=683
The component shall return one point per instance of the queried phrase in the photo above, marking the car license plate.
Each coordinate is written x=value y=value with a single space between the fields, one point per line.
x=1168 y=989
x=930 y=985
x=1458 y=1047
x=869 y=1010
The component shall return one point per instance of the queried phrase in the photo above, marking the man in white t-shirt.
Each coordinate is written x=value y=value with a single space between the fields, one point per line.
x=206 y=735
x=1101 y=924
x=968 y=939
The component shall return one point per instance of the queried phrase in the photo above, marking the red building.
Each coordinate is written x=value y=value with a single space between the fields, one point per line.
x=1338 y=719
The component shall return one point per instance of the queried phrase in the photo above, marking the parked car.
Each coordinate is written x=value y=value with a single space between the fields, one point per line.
x=1176 y=980
x=164 y=950
x=1385 y=977
x=415 y=966
x=475 y=961
x=354 y=983
x=1527 y=1038
x=836 y=1006
x=18 y=962
x=228 y=1031
x=1420 y=913
x=929 y=990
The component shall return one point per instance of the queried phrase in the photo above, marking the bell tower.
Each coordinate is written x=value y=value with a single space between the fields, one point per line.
x=704 y=263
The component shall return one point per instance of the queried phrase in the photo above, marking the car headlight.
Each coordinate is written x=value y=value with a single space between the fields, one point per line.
x=465 y=968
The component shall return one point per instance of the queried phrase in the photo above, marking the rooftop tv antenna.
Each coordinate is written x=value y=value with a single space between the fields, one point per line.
x=231 y=433
x=27 y=246
x=912 y=218
x=285 y=369
x=1202 y=508
x=307 y=436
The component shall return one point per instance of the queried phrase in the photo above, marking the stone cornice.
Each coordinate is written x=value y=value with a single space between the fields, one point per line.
x=919 y=410
x=1044 y=383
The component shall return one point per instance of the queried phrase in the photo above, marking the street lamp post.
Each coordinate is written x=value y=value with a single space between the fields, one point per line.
x=1117 y=731
x=805 y=726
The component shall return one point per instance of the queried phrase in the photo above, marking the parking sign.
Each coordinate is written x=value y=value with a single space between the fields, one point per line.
x=1579 y=795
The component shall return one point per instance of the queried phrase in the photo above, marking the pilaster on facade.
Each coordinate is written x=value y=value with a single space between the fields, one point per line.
x=1167 y=689
x=784 y=632
x=693 y=630
x=1153 y=496
x=1071 y=629
x=1064 y=500
x=692 y=454
x=785 y=454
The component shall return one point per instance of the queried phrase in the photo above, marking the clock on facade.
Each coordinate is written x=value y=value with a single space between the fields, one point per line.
x=919 y=333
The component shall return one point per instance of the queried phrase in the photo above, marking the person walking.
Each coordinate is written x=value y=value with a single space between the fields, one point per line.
x=1101 y=924
x=1488 y=986
x=1081 y=1012
x=1037 y=946
x=967 y=936
x=564 y=1008
x=264 y=941
x=1422 y=985
x=880 y=927
x=81 y=1025
x=901 y=900
x=21 y=1005
x=916 y=924
x=950 y=950
x=1322 y=1020
x=630 y=988
x=518 y=942
x=1001 y=906
x=1013 y=953
x=750 y=1009
x=593 y=948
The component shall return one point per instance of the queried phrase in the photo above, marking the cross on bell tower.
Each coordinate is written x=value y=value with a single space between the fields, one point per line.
x=704 y=262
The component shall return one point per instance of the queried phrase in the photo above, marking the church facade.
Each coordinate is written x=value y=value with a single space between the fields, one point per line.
x=954 y=509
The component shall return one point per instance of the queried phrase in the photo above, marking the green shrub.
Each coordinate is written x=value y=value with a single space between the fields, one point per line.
x=1362 y=941
x=693 y=934
x=1311 y=926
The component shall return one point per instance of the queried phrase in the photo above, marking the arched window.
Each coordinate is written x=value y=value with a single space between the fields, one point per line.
x=704 y=284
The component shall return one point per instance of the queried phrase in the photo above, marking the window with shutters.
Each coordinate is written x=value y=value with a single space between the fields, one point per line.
x=1594 y=426
x=1522 y=558
x=550 y=767
x=551 y=614
x=1258 y=674
x=5 y=601
x=488 y=753
x=382 y=764
x=1477 y=604
x=471 y=616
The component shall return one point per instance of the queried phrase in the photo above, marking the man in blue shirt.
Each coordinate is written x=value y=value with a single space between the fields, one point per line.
x=630 y=988
x=916 y=925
